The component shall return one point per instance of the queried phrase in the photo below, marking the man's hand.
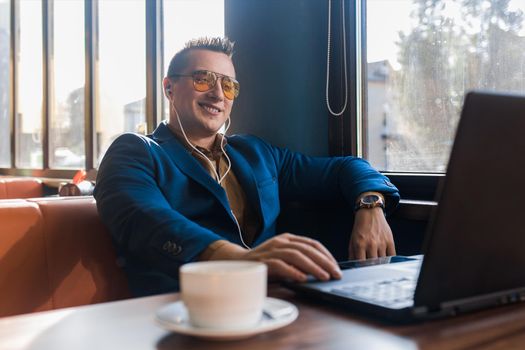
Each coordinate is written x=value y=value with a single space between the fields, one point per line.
x=292 y=256
x=287 y=256
x=371 y=235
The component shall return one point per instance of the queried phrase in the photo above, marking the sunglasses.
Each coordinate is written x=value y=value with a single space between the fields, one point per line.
x=205 y=80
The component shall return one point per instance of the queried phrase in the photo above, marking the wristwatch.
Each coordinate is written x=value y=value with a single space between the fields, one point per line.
x=370 y=201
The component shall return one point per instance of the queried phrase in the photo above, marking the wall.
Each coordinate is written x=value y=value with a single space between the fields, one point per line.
x=280 y=59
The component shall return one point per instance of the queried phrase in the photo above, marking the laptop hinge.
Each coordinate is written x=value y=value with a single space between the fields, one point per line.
x=483 y=301
x=419 y=310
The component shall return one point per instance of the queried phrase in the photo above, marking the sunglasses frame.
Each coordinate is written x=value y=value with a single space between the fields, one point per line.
x=216 y=76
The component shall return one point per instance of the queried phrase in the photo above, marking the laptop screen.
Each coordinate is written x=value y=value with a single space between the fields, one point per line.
x=475 y=244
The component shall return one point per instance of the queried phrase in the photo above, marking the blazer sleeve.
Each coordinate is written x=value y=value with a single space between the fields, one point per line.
x=140 y=219
x=303 y=177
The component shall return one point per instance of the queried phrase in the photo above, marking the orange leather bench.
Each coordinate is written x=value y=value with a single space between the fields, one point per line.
x=55 y=253
x=16 y=187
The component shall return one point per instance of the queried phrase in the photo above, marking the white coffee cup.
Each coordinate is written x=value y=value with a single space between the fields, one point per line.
x=224 y=294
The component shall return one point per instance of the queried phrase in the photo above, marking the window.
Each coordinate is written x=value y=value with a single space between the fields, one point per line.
x=422 y=56
x=64 y=54
x=5 y=145
x=29 y=86
x=121 y=71
x=186 y=20
x=66 y=141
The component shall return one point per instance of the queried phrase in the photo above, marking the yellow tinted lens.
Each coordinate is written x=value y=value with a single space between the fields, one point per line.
x=203 y=81
x=230 y=88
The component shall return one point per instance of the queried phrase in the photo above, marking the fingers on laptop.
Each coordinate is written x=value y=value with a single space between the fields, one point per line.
x=315 y=251
x=279 y=270
x=310 y=260
x=391 y=249
x=290 y=256
x=314 y=243
x=361 y=253
x=352 y=254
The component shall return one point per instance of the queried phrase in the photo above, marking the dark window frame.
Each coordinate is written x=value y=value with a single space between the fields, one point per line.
x=343 y=131
x=345 y=136
x=153 y=70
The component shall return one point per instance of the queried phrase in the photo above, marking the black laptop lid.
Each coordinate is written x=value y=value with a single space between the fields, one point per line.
x=475 y=244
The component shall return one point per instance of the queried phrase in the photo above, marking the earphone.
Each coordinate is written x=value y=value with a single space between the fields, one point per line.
x=219 y=178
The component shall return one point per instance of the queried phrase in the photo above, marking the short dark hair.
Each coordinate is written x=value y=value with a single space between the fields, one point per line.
x=218 y=44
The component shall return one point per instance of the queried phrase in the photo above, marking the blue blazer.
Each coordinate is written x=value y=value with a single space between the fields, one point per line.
x=163 y=208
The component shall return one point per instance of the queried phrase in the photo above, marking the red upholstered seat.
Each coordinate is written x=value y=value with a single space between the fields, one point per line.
x=54 y=253
x=24 y=284
x=20 y=188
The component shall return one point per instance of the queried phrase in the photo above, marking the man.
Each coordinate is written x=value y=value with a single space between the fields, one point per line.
x=187 y=193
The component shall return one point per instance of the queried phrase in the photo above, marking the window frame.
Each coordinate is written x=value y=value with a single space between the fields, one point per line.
x=154 y=69
x=352 y=128
x=347 y=133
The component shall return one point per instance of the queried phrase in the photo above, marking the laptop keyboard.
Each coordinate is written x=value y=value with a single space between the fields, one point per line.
x=387 y=292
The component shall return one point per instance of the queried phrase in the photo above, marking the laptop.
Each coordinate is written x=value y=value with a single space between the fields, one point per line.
x=474 y=251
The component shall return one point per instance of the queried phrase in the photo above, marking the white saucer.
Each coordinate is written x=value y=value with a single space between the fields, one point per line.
x=174 y=317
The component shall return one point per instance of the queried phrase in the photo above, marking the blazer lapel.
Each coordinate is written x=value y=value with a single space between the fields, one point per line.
x=188 y=164
x=244 y=173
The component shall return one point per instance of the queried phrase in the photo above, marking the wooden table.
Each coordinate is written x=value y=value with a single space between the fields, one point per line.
x=130 y=324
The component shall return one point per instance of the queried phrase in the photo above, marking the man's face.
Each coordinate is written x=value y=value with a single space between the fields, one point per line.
x=201 y=113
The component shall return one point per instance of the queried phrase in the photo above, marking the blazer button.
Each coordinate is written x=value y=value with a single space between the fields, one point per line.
x=172 y=248
x=167 y=246
x=176 y=249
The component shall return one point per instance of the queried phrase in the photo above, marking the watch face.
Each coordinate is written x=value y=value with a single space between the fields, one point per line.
x=370 y=199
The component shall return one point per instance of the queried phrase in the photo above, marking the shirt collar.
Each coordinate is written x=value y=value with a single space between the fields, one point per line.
x=214 y=152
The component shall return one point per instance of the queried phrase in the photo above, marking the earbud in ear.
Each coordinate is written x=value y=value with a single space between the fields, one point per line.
x=168 y=90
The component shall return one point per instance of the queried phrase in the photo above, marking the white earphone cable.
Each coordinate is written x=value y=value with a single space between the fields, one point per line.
x=224 y=152
x=240 y=232
x=219 y=178
x=328 y=60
